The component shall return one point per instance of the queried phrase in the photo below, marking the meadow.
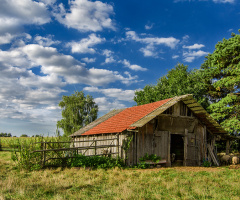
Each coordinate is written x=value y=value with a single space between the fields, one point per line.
x=81 y=183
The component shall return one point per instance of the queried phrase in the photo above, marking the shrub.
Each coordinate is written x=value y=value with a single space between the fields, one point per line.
x=206 y=163
x=96 y=162
x=152 y=157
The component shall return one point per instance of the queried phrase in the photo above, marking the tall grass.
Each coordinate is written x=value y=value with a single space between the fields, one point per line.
x=24 y=150
x=163 y=183
x=12 y=143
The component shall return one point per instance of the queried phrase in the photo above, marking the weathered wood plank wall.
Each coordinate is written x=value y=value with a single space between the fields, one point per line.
x=112 y=140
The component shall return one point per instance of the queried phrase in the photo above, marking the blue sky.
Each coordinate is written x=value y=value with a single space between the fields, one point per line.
x=108 y=49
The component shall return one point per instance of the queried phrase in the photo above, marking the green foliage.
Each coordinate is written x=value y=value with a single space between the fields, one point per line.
x=127 y=143
x=143 y=164
x=178 y=81
x=25 y=157
x=206 y=163
x=221 y=72
x=96 y=162
x=152 y=157
x=77 y=111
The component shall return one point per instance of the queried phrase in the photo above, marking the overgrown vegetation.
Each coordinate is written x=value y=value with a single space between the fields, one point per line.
x=74 y=183
x=152 y=157
x=206 y=163
x=23 y=150
x=96 y=162
x=144 y=161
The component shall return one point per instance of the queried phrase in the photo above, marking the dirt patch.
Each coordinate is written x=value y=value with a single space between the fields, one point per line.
x=184 y=169
x=198 y=169
x=234 y=166
x=193 y=169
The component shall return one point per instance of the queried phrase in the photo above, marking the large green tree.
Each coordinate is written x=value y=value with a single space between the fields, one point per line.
x=221 y=71
x=178 y=81
x=77 y=111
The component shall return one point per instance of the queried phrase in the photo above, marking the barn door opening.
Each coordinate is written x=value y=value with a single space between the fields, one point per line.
x=177 y=150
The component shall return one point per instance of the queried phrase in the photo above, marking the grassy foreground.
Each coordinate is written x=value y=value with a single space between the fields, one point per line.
x=164 y=183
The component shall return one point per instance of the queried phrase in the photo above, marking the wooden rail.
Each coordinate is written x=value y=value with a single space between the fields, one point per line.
x=8 y=149
x=77 y=148
x=64 y=153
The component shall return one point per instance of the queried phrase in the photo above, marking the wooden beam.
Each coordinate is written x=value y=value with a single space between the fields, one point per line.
x=169 y=149
x=185 y=147
x=227 y=147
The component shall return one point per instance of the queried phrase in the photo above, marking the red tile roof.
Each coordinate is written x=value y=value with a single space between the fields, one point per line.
x=124 y=119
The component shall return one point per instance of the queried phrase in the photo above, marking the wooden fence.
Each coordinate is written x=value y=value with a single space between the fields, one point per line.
x=72 y=151
x=8 y=149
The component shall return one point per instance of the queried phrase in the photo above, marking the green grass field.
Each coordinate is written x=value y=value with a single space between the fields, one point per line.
x=75 y=183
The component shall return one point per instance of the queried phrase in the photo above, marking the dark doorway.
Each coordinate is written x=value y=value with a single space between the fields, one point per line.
x=177 y=148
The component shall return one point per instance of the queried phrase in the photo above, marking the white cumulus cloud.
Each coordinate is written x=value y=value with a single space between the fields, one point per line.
x=14 y=14
x=109 y=56
x=116 y=93
x=105 y=105
x=192 y=55
x=85 y=15
x=73 y=71
x=88 y=60
x=175 y=56
x=85 y=45
x=169 y=42
x=195 y=46
x=151 y=42
x=134 y=67
x=45 y=41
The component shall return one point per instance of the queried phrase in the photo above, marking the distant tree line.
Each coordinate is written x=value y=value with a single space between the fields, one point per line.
x=10 y=135
x=5 y=135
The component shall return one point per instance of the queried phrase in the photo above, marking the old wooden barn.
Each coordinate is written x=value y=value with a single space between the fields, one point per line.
x=177 y=126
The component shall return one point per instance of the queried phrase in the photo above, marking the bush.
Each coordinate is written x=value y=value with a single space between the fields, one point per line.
x=206 y=163
x=152 y=157
x=96 y=162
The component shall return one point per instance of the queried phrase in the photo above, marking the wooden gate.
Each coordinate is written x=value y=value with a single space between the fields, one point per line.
x=58 y=150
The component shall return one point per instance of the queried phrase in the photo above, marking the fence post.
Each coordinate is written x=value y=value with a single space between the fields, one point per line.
x=95 y=148
x=118 y=144
x=44 y=153
x=0 y=145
